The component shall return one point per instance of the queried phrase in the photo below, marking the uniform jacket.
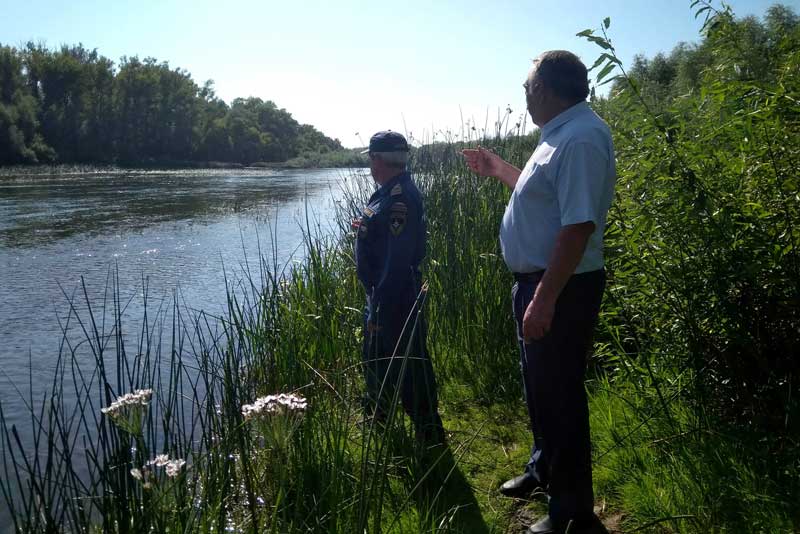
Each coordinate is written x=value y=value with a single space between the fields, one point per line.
x=390 y=246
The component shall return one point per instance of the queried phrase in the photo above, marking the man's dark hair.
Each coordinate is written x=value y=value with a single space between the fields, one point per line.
x=564 y=73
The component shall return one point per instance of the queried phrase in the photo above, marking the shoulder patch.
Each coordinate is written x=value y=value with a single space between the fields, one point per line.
x=369 y=212
x=397 y=218
x=396 y=190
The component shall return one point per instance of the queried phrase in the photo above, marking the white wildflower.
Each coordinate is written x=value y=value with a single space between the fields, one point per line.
x=281 y=403
x=160 y=460
x=173 y=467
x=284 y=285
x=140 y=397
x=137 y=474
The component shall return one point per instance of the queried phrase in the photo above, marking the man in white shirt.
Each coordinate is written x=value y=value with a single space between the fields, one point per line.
x=552 y=240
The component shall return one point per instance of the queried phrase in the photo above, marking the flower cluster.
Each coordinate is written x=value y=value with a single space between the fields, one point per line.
x=126 y=412
x=174 y=467
x=284 y=286
x=171 y=467
x=271 y=404
x=140 y=397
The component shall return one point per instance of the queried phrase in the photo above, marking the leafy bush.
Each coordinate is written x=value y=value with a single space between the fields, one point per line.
x=703 y=235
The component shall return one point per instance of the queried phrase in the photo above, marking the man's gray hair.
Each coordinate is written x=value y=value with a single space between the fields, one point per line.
x=393 y=159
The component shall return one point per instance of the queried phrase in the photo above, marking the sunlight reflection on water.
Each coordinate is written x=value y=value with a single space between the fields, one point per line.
x=173 y=230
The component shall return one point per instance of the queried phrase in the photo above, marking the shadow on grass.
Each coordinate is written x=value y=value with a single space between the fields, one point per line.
x=442 y=494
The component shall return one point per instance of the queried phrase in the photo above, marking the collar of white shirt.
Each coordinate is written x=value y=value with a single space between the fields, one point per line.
x=563 y=117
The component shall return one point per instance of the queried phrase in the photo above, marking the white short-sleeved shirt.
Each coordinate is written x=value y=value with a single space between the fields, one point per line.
x=569 y=179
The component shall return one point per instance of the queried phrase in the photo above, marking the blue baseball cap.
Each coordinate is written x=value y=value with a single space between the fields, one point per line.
x=387 y=141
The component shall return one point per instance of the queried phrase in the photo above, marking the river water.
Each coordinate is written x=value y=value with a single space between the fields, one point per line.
x=164 y=232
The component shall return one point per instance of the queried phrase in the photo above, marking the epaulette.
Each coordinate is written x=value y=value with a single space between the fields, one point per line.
x=396 y=190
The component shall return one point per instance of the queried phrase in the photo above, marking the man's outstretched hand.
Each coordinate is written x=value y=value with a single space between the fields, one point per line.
x=487 y=163
x=483 y=162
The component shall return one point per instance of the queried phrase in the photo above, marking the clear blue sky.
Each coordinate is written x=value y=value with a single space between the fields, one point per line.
x=352 y=66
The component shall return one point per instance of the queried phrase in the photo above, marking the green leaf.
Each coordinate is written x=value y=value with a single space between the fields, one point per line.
x=605 y=57
x=597 y=62
x=600 y=42
x=603 y=73
x=584 y=33
x=613 y=78
x=701 y=10
x=606 y=22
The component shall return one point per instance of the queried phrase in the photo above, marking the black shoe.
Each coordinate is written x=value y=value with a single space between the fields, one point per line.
x=547 y=526
x=521 y=486
x=544 y=526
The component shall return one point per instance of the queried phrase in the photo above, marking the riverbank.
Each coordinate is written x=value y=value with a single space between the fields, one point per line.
x=301 y=163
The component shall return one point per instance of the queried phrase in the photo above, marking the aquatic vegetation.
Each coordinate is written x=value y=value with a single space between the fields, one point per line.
x=274 y=404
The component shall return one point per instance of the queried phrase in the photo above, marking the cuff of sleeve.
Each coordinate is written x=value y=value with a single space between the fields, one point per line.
x=578 y=219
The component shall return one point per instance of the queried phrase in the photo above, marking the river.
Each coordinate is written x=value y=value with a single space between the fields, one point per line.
x=167 y=232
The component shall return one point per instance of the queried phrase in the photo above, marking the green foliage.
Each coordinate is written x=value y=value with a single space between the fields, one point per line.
x=338 y=158
x=20 y=139
x=467 y=274
x=702 y=239
x=73 y=105
x=672 y=475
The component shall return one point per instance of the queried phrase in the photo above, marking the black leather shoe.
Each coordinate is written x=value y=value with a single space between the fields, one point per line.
x=544 y=526
x=521 y=486
x=547 y=526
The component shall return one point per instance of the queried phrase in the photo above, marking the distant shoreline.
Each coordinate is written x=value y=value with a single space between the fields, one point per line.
x=7 y=171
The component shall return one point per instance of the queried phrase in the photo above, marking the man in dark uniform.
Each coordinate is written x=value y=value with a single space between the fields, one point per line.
x=390 y=245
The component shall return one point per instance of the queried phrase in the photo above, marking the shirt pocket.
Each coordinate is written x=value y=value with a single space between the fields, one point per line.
x=535 y=175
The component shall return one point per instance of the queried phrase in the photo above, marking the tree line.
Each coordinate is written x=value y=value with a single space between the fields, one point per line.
x=747 y=48
x=73 y=105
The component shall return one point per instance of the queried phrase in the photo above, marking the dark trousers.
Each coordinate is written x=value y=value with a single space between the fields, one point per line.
x=553 y=371
x=401 y=328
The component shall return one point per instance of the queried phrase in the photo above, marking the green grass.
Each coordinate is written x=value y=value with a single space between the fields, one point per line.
x=698 y=479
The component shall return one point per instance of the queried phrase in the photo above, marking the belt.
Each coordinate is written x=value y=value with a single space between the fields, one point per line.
x=530 y=278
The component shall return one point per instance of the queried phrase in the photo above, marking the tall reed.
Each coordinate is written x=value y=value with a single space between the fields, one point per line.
x=292 y=329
